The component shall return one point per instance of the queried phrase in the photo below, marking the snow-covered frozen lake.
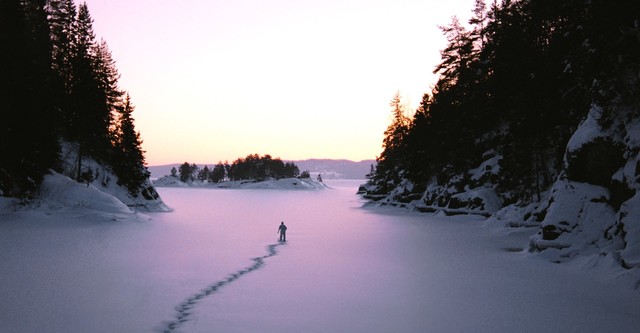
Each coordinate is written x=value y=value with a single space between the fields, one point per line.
x=214 y=265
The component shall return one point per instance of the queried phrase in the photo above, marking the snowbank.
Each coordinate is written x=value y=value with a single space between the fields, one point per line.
x=62 y=201
x=59 y=192
x=270 y=184
x=102 y=179
x=61 y=195
x=99 y=195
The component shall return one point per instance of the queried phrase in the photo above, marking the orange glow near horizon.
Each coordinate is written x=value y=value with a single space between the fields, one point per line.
x=217 y=80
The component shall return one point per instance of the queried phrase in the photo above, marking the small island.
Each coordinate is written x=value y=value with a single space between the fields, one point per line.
x=251 y=172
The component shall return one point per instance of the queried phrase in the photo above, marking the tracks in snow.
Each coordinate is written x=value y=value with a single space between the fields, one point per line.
x=185 y=309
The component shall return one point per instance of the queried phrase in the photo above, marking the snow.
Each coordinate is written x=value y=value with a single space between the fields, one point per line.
x=490 y=201
x=472 y=192
x=630 y=218
x=170 y=181
x=579 y=214
x=587 y=132
x=62 y=193
x=489 y=166
x=102 y=180
x=96 y=267
x=586 y=220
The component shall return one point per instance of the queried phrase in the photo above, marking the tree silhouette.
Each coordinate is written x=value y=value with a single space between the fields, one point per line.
x=28 y=144
x=58 y=83
x=128 y=157
x=517 y=84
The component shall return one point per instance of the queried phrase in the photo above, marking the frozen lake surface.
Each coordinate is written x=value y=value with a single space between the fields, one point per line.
x=214 y=265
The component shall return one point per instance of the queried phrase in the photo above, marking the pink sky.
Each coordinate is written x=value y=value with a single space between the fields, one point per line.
x=216 y=80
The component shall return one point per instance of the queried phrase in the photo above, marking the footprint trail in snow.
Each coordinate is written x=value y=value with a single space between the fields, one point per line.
x=185 y=309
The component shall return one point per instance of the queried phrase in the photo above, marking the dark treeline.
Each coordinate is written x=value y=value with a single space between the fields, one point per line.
x=252 y=167
x=516 y=82
x=60 y=84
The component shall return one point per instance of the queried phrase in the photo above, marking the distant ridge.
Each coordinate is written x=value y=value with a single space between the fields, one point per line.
x=328 y=168
x=336 y=169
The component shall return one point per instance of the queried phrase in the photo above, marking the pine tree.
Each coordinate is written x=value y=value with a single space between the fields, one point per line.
x=98 y=86
x=227 y=169
x=458 y=54
x=291 y=170
x=185 y=172
x=62 y=22
x=107 y=75
x=527 y=82
x=83 y=90
x=518 y=83
x=218 y=173
x=128 y=157
x=422 y=145
x=479 y=21
x=28 y=143
x=57 y=82
x=392 y=159
x=204 y=174
x=396 y=131
x=193 y=172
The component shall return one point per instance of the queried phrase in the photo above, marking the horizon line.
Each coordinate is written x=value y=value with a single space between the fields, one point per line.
x=292 y=160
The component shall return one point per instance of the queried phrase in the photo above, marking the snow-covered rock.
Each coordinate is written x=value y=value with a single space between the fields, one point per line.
x=472 y=192
x=594 y=205
x=578 y=220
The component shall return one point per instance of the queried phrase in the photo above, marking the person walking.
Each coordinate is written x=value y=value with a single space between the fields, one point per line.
x=282 y=230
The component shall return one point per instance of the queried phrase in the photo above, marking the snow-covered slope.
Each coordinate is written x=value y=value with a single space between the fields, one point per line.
x=100 y=190
x=65 y=199
x=59 y=192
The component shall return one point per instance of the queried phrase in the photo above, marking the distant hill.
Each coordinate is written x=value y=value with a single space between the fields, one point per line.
x=336 y=169
x=328 y=168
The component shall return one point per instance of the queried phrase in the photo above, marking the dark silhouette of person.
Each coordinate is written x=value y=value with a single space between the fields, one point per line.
x=282 y=230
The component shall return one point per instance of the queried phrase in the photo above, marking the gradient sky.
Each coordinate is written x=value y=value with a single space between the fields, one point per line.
x=219 y=79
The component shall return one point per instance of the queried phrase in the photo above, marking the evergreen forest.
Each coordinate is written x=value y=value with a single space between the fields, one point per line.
x=59 y=86
x=515 y=83
x=251 y=167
